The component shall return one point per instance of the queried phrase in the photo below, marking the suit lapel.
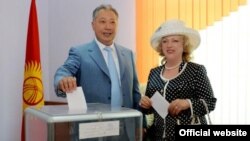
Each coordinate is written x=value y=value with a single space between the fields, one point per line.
x=122 y=61
x=97 y=56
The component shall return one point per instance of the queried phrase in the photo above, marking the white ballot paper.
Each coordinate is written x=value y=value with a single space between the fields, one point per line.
x=160 y=104
x=76 y=100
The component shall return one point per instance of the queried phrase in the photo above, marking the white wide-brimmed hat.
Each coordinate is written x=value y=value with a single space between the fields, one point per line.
x=175 y=27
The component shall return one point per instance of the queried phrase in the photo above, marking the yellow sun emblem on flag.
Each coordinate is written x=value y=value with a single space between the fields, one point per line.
x=32 y=85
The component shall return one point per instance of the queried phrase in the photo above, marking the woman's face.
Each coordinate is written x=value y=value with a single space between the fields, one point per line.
x=172 y=47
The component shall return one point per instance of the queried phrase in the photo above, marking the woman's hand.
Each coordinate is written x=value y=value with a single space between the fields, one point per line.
x=145 y=102
x=178 y=105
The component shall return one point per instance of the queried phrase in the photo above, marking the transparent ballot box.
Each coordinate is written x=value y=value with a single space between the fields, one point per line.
x=99 y=122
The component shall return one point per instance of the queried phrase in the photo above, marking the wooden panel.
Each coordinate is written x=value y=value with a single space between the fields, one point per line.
x=54 y=103
x=62 y=131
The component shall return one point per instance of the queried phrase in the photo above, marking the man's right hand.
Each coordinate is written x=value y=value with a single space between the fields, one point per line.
x=67 y=84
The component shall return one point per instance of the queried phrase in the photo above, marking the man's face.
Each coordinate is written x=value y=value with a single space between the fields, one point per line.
x=105 y=26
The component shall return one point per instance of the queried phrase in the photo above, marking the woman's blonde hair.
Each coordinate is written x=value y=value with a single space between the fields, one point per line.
x=186 y=55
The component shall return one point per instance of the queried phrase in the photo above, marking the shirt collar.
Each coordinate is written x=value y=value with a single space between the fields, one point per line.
x=102 y=46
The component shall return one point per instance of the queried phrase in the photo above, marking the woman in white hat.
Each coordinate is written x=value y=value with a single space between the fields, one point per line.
x=181 y=82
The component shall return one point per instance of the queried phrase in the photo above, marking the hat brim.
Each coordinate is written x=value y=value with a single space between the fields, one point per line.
x=166 y=30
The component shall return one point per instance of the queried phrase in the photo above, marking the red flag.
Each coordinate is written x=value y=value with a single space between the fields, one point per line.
x=32 y=83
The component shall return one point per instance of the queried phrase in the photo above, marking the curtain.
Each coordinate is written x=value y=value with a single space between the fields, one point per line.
x=198 y=14
x=224 y=48
x=224 y=51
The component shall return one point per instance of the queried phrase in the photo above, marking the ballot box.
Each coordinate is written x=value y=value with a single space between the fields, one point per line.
x=99 y=122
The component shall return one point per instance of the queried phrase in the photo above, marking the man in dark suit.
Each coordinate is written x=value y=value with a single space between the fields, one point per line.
x=86 y=65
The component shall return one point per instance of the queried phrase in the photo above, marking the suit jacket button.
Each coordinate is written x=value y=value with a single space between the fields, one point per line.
x=109 y=98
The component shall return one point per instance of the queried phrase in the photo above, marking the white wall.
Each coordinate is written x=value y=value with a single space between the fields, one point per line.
x=62 y=23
